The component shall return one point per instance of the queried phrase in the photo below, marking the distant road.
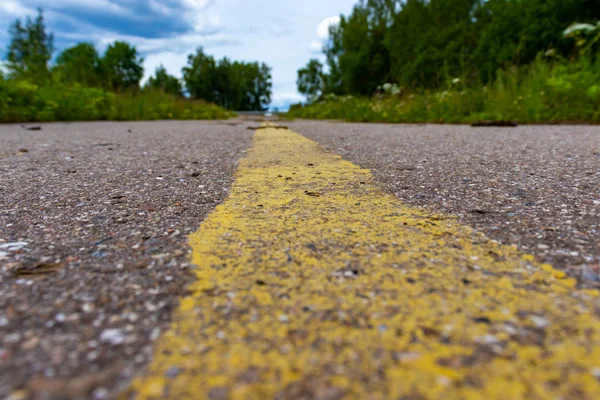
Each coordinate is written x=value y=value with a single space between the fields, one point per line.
x=425 y=262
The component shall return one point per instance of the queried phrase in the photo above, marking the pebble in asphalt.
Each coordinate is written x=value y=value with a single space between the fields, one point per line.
x=534 y=186
x=104 y=210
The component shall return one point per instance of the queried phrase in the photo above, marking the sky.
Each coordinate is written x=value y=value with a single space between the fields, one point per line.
x=283 y=33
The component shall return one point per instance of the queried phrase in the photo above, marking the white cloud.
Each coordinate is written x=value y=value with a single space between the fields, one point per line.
x=3 y=67
x=104 y=6
x=157 y=6
x=173 y=63
x=14 y=8
x=323 y=27
x=200 y=16
x=282 y=100
x=316 y=46
x=185 y=43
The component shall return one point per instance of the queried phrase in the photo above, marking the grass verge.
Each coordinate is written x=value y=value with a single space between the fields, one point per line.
x=22 y=101
x=542 y=92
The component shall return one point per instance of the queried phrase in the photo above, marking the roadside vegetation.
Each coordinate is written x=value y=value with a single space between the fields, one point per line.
x=458 y=61
x=82 y=85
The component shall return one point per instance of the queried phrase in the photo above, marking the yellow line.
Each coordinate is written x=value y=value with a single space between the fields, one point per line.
x=313 y=283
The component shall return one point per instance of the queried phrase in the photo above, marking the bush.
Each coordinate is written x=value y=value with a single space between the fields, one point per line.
x=22 y=101
x=543 y=92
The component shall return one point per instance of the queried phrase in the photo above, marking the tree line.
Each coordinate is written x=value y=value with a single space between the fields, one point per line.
x=429 y=43
x=242 y=86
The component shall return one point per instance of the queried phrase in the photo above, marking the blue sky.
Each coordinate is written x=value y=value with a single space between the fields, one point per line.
x=285 y=34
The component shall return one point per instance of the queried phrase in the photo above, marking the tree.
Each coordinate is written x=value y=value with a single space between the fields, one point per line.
x=428 y=43
x=79 y=64
x=199 y=75
x=431 y=41
x=310 y=80
x=30 y=50
x=234 y=85
x=333 y=49
x=261 y=86
x=122 y=66
x=165 y=82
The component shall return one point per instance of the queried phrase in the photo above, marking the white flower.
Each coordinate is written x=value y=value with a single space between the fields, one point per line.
x=578 y=27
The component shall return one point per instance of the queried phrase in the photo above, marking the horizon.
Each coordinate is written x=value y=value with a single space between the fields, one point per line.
x=149 y=25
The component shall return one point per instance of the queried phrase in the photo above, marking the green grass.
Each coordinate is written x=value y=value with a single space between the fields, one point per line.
x=21 y=101
x=539 y=93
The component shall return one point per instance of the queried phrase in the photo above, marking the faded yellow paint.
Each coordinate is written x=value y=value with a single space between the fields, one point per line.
x=314 y=283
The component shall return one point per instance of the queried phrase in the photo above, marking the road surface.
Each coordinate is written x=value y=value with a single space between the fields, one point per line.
x=345 y=261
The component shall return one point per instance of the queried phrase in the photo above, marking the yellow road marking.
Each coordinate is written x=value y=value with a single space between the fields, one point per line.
x=313 y=283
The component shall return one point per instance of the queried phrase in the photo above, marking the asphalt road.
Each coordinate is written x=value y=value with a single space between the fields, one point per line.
x=94 y=221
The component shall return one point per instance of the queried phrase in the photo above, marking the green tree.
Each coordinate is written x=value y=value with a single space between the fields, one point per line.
x=122 y=67
x=234 y=85
x=165 y=82
x=79 y=64
x=262 y=86
x=357 y=56
x=428 y=43
x=310 y=80
x=30 y=50
x=432 y=41
x=514 y=32
x=199 y=75
x=333 y=49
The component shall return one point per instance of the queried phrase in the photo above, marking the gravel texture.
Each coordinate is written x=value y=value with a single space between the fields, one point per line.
x=534 y=186
x=93 y=252
x=94 y=219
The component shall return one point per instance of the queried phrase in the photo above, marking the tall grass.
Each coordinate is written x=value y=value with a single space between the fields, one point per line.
x=542 y=92
x=22 y=101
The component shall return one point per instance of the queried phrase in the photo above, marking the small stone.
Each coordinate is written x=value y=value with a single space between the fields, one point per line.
x=12 y=338
x=112 y=336
x=100 y=393
x=15 y=246
x=173 y=372
x=539 y=322
x=155 y=334
x=488 y=339
x=284 y=318
x=408 y=356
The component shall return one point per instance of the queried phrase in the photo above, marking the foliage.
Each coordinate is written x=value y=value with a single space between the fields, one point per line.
x=310 y=80
x=30 y=50
x=22 y=101
x=586 y=36
x=537 y=93
x=79 y=64
x=234 y=85
x=425 y=44
x=123 y=66
x=84 y=86
x=165 y=82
